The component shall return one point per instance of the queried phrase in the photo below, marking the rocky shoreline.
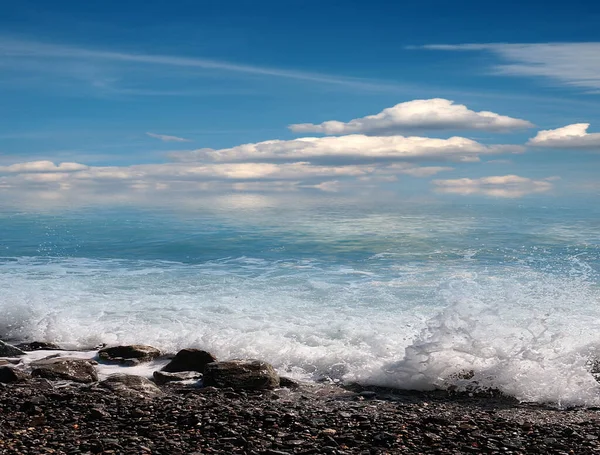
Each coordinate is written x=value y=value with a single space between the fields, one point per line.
x=247 y=409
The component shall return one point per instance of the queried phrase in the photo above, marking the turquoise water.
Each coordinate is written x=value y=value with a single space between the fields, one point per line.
x=405 y=295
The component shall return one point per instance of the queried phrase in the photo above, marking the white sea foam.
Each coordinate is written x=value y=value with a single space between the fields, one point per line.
x=526 y=332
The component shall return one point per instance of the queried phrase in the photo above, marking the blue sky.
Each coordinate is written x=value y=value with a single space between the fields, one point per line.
x=160 y=97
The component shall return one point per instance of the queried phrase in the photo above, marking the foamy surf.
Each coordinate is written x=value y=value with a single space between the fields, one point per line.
x=525 y=332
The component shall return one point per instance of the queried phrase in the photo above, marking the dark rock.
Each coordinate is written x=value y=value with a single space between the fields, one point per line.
x=368 y=394
x=289 y=383
x=189 y=360
x=241 y=374
x=8 y=350
x=126 y=354
x=9 y=375
x=77 y=370
x=38 y=346
x=131 y=386
x=162 y=377
x=98 y=414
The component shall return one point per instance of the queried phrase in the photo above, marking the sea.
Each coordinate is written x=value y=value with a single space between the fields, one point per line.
x=478 y=295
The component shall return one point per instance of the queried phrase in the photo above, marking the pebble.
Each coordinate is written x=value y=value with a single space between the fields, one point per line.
x=37 y=417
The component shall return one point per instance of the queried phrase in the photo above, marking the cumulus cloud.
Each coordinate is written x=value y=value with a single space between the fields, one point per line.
x=165 y=138
x=506 y=186
x=432 y=114
x=570 y=136
x=354 y=147
x=573 y=64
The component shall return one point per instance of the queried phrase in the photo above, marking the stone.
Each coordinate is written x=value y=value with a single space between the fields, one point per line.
x=189 y=360
x=368 y=394
x=9 y=375
x=98 y=413
x=241 y=374
x=70 y=369
x=8 y=350
x=131 y=386
x=38 y=346
x=288 y=382
x=129 y=355
x=162 y=377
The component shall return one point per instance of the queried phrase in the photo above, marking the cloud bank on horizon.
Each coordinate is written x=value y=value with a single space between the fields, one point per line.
x=506 y=186
x=331 y=163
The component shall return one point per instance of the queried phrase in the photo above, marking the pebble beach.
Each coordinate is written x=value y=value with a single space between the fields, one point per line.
x=42 y=413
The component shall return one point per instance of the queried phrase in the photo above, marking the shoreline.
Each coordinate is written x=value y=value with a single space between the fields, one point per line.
x=39 y=416
x=128 y=414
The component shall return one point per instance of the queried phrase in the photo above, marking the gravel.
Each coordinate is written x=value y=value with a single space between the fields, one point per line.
x=42 y=417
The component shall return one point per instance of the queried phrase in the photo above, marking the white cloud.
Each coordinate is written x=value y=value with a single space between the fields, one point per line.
x=165 y=138
x=424 y=171
x=570 y=136
x=39 y=51
x=120 y=181
x=506 y=186
x=331 y=186
x=172 y=173
x=355 y=147
x=573 y=64
x=431 y=114
x=42 y=166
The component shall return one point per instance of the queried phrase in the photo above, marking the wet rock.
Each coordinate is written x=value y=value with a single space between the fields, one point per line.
x=162 y=377
x=9 y=375
x=289 y=383
x=368 y=394
x=77 y=370
x=189 y=360
x=130 y=354
x=131 y=386
x=8 y=350
x=38 y=346
x=241 y=374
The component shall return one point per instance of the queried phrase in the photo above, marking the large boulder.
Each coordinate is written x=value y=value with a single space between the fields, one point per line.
x=8 y=350
x=189 y=360
x=241 y=374
x=10 y=374
x=130 y=354
x=77 y=370
x=131 y=386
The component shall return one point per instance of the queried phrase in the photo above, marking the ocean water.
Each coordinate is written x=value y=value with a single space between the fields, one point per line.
x=403 y=295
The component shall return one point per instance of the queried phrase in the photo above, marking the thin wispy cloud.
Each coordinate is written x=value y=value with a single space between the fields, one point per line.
x=166 y=138
x=572 y=64
x=11 y=48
